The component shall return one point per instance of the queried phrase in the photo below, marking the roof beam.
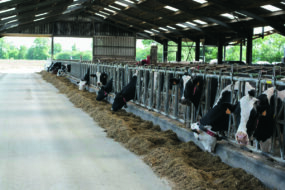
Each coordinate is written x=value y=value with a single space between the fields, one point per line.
x=16 y=24
x=234 y=7
x=29 y=8
x=116 y=19
x=195 y=13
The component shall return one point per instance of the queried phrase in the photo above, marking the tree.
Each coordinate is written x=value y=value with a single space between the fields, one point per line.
x=57 y=48
x=63 y=55
x=39 y=50
x=22 y=52
x=3 y=49
x=74 y=47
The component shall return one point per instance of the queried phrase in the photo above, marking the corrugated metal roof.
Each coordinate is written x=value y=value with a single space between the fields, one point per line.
x=226 y=20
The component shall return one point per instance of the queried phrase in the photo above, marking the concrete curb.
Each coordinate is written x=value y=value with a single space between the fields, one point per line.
x=270 y=173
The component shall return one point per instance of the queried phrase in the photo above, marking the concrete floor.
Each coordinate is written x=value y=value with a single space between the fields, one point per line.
x=46 y=143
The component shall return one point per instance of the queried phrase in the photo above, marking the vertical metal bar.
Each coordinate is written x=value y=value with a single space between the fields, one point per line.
x=232 y=94
x=207 y=95
x=283 y=143
x=158 y=90
x=145 y=86
x=273 y=138
x=166 y=99
x=151 y=89
x=192 y=113
x=138 y=89
x=114 y=77
x=187 y=118
x=175 y=108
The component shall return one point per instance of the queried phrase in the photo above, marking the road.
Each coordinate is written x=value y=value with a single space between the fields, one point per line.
x=48 y=144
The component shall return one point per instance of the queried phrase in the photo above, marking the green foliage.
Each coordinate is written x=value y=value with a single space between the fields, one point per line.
x=63 y=55
x=57 y=48
x=270 y=49
x=22 y=52
x=39 y=50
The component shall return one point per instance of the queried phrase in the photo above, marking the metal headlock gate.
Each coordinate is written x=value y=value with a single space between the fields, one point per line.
x=164 y=99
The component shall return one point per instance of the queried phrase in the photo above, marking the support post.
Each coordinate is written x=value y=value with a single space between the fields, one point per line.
x=52 y=48
x=249 y=48
x=153 y=55
x=179 y=49
x=197 y=50
x=220 y=53
x=240 y=51
x=165 y=50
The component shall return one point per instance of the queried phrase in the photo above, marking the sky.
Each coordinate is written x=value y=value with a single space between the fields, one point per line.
x=82 y=44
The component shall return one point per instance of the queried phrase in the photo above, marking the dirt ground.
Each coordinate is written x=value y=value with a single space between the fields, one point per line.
x=185 y=165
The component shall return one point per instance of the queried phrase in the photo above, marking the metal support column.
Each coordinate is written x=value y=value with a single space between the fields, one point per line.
x=249 y=48
x=220 y=53
x=165 y=50
x=197 y=50
x=52 y=48
x=179 y=49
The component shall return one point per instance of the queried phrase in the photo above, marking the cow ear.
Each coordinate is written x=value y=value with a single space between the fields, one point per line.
x=229 y=108
x=251 y=93
x=93 y=75
x=173 y=81
x=264 y=113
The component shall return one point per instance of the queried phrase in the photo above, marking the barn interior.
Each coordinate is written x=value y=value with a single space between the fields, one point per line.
x=212 y=22
x=115 y=25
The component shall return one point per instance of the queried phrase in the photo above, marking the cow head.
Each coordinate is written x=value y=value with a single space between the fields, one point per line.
x=208 y=141
x=82 y=85
x=103 y=92
x=101 y=78
x=184 y=81
x=246 y=118
x=85 y=81
x=119 y=102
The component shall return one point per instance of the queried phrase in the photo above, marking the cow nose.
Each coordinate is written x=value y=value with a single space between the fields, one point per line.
x=98 y=83
x=242 y=138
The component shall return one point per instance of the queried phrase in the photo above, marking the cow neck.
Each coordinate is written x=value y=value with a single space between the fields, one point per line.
x=124 y=99
x=209 y=132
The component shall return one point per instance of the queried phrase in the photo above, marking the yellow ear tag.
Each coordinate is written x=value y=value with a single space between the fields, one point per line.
x=197 y=84
x=264 y=113
x=228 y=111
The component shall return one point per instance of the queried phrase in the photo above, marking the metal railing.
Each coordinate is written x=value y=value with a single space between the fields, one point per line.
x=164 y=99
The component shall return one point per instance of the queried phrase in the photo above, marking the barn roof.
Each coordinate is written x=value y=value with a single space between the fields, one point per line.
x=211 y=20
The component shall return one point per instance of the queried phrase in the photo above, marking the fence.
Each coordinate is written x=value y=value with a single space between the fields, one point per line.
x=155 y=92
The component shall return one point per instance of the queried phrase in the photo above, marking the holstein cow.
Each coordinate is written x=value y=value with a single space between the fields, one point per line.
x=62 y=70
x=105 y=90
x=255 y=118
x=101 y=78
x=217 y=119
x=85 y=81
x=126 y=94
x=54 y=67
x=192 y=88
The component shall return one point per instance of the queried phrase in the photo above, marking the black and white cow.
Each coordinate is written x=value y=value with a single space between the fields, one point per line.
x=105 y=90
x=255 y=118
x=101 y=78
x=62 y=71
x=193 y=87
x=217 y=119
x=85 y=81
x=54 y=67
x=126 y=94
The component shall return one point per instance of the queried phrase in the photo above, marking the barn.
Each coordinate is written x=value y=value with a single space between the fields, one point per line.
x=186 y=124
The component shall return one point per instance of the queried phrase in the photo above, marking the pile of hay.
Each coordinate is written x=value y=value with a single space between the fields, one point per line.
x=184 y=164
